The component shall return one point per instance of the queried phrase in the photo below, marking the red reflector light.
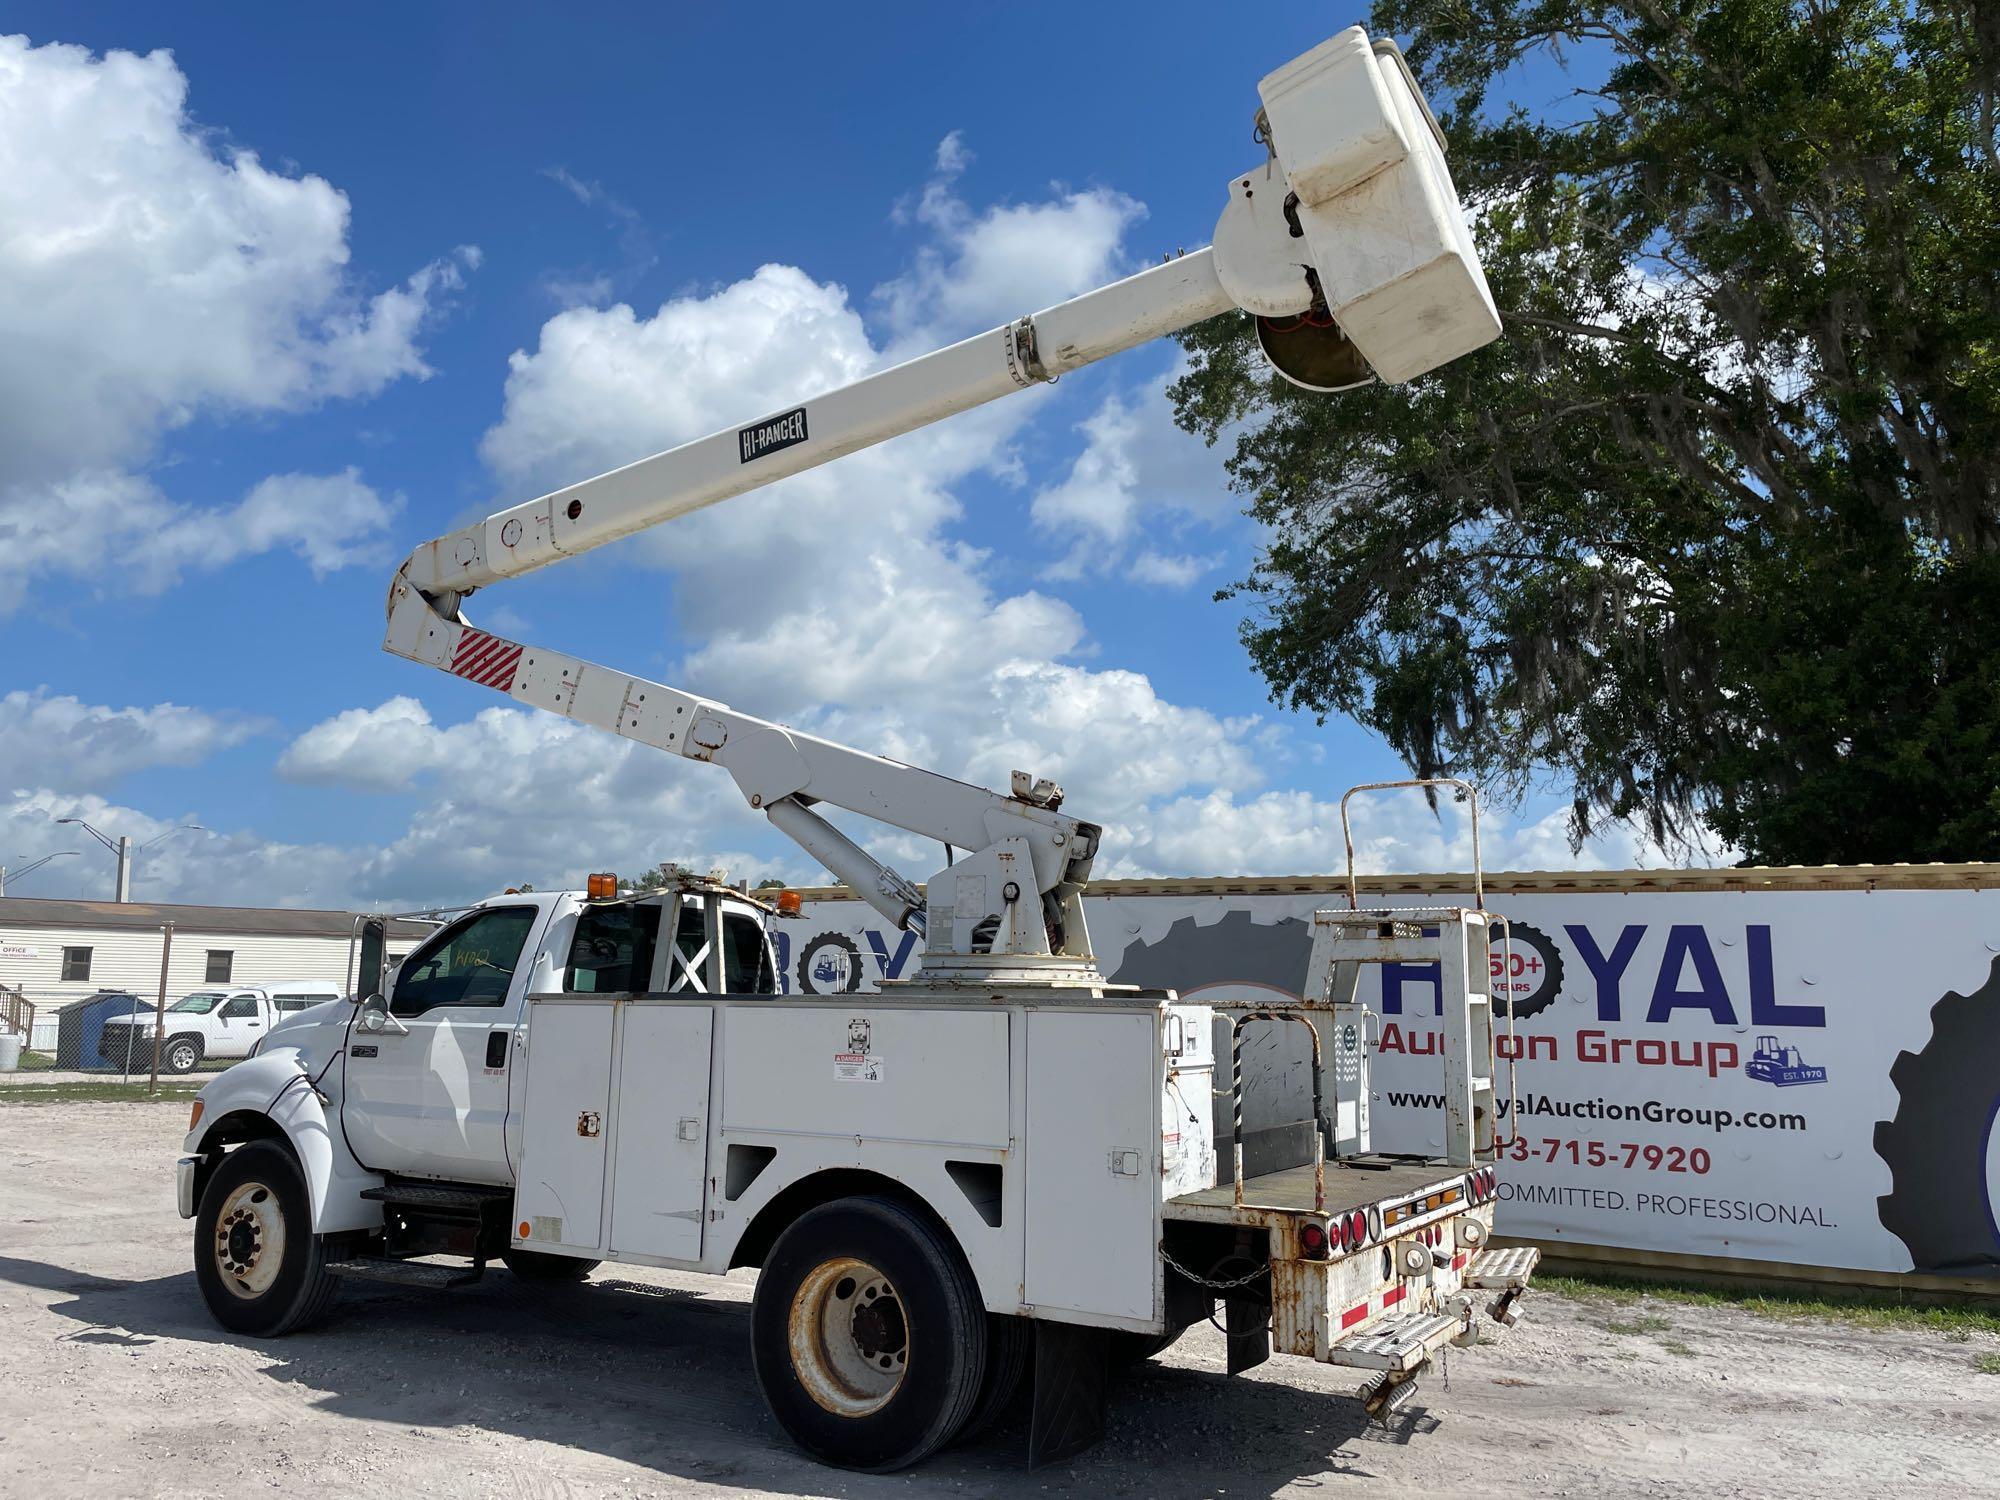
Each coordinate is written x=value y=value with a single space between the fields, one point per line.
x=1355 y=1231
x=1312 y=1242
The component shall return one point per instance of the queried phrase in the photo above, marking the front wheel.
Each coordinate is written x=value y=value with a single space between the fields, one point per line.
x=867 y=1335
x=261 y=1269
x=181 y=1054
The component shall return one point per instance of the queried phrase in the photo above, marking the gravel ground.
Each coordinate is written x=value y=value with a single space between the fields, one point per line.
x=118 y=1384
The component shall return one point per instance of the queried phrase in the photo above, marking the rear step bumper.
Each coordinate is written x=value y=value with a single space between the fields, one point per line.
x=1503 y=1270
x=1396 y=1345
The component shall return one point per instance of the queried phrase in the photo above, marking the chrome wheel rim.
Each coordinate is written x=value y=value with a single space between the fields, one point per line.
x=850 y=1338
x=249 y=1241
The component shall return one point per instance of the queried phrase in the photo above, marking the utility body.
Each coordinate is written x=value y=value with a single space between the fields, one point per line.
x=1005 y=1173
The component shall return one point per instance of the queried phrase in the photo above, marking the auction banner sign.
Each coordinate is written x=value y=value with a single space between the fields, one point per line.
x=1804 y=1075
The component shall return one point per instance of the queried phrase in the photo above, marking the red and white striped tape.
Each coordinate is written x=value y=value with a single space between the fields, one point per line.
x=486 y=659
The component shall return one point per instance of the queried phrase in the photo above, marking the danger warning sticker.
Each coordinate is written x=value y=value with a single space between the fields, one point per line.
x=857 y=1067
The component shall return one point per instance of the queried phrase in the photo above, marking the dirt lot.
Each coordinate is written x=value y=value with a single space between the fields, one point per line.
x=117 y=1384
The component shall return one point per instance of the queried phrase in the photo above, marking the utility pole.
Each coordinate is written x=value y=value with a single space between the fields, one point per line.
x=160 y=1009
x=124 y=852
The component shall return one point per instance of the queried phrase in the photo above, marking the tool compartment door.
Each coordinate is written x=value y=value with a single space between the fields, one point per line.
x=1093 y=1127
x=567 y=1108
x=660 y=1159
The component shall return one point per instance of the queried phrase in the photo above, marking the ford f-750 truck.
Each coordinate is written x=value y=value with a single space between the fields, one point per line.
x=1006 y=1170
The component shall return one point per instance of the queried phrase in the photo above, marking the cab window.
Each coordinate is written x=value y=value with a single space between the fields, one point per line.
x=691 y=944
x=613 y=950
x=469 y=963
x=746 y=968
x=240 y=1008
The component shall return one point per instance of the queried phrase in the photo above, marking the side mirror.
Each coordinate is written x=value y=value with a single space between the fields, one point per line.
x=374 y=957
x=375 y=1018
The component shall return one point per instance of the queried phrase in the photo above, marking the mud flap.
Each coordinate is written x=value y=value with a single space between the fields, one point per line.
x=1247 y=1324
x=1071 y=1371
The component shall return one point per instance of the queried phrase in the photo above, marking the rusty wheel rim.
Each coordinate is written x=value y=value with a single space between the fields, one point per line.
x=249 y=1241
x=849 y=1336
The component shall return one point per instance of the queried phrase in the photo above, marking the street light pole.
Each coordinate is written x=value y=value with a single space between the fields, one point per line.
x=32 y=866
x=121 y=847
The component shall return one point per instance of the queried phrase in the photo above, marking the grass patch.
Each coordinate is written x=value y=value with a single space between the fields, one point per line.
x=1859 y=1309
x=1987 y=1364
x=91 y=1093
x=1644 y=1323
x=1675 y=1346
x=38 y=1062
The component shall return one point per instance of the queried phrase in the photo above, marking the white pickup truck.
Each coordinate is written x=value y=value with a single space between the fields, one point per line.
x=209 y=1025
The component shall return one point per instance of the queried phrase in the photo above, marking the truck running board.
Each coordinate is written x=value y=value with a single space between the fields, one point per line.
x=1397 y=1345
x=439 y=1202
x=405 y=1272
x=1503 y=1270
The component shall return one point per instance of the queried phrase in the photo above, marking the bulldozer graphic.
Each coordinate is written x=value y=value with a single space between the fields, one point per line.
x=1774 y=1063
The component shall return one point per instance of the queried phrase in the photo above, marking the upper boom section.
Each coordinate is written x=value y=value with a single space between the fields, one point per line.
x=872 y=410
x=1347 y=243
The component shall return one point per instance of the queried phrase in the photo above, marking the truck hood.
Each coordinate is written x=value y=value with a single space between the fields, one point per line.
x=317 y=1032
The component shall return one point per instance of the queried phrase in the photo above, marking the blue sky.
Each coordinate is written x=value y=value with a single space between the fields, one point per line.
x=309 y=287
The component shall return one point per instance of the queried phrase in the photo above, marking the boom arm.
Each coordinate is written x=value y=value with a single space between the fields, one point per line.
x=1348 y=246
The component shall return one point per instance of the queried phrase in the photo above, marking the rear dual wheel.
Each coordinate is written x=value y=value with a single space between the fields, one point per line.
x=867 y=1335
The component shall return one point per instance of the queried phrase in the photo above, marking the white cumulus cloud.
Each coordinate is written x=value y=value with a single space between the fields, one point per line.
x=110 y=529
x=57 y=740
x=152 y=274
x=1138 y=480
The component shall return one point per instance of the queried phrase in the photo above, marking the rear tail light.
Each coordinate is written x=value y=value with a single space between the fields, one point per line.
x=1354 y=1232
x=1313 y=1242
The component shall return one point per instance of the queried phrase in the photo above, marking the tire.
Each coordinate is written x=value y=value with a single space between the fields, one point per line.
x=255 y=1203
x=535 y=1265
x=1010 y=1352
x=182 y=1054
x=867 y=1335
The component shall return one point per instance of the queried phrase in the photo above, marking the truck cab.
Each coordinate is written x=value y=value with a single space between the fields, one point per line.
x=428 y=1085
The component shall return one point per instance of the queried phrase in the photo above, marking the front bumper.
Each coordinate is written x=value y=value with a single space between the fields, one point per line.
x=184 y=1171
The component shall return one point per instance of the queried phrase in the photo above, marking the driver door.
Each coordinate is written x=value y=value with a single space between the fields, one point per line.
x=432 y=1102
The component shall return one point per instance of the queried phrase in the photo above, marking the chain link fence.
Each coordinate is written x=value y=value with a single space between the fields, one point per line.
x=109 y=1036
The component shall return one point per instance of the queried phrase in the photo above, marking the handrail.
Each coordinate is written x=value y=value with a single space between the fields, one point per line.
x=1347 y=831
x=1236 y=1102
x=1513 y=1039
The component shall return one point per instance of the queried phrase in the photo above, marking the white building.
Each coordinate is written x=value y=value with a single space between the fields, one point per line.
x=54 y=952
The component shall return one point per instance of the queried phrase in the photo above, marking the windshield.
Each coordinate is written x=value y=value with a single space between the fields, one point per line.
x=198 y=1004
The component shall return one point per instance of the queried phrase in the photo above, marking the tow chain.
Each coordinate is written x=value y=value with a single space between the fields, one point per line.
x=1212 y=1283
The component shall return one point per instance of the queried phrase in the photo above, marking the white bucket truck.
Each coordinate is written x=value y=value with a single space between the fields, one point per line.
x=1002 y=1173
